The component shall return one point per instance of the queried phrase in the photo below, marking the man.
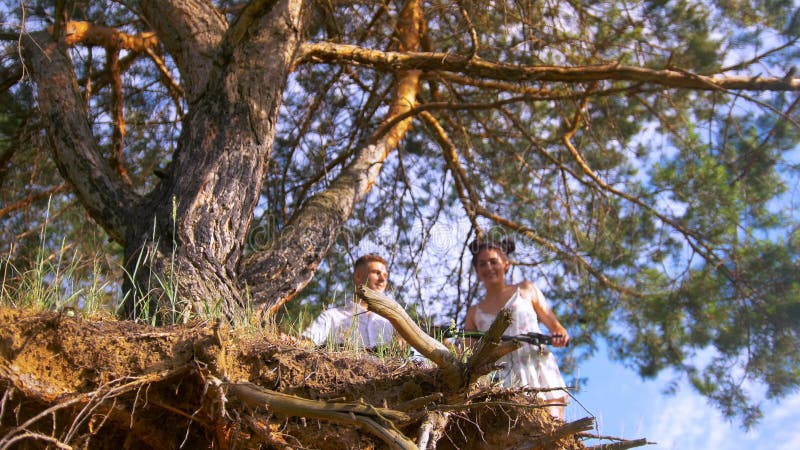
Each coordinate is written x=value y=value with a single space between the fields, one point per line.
x=352 y=326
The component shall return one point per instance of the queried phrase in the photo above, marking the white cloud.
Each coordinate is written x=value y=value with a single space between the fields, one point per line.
x=627 y=407
x=678 y=422
x=783 y=423
x=686 y=421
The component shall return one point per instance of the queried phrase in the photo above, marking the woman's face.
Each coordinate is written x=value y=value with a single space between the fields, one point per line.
x=491 y=266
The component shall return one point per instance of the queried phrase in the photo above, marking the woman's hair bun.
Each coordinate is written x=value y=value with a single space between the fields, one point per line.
x=475 y=246
x=506 y=244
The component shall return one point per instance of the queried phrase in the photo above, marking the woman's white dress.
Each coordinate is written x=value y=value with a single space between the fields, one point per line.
x=528 y=366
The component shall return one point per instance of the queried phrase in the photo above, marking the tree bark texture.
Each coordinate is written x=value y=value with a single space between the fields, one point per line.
x=184 y=239
x=75 y=151
x=205 y=205
x=188 y=233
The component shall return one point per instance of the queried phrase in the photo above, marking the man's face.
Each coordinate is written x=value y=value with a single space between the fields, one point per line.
x=374 y=274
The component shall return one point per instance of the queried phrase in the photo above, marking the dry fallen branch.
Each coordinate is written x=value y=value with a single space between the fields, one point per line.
x=261 y=429
x=408 y=329
x=28 y=435
x=420 y=402
x=490 y=348
x=457 y=375
x=290 y=405
x=375 y=420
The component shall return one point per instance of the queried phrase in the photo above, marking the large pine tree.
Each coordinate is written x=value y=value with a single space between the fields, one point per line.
x=643 y=152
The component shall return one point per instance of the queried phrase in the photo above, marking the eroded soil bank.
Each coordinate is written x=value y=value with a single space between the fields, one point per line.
x=78 y=383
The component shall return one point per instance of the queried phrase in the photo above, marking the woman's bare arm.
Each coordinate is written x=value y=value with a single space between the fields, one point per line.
x=545 y=313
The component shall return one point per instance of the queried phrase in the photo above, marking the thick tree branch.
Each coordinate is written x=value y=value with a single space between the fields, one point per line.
x=191 y=31
x=248 y=17
x=312 y=231
x=102 y=191
x=333 y=53
x=375 y=98
x=88 y=34
x=568 y=429
x=218 y=169
x=113 y=41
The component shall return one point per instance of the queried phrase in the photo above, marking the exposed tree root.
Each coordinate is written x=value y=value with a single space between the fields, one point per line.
x=377 y=421
x=565 y=430
x=457 y=376
x=72 y=383
x=432 y=429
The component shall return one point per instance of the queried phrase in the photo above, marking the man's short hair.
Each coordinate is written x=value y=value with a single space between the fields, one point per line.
x=368 y=258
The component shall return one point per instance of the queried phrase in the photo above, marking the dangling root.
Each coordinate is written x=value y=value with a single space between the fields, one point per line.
x=432 y=429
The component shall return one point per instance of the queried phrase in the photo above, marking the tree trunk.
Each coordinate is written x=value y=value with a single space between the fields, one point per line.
x=183 y=241
x=205 y=206
x=185 y=237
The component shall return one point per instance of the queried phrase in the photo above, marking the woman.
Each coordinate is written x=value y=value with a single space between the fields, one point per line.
x=528 y=366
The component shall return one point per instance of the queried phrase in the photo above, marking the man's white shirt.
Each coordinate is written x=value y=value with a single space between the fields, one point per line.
x=350 y=325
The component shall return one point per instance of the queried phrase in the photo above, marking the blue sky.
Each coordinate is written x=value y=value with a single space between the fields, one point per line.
x=626 y=406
